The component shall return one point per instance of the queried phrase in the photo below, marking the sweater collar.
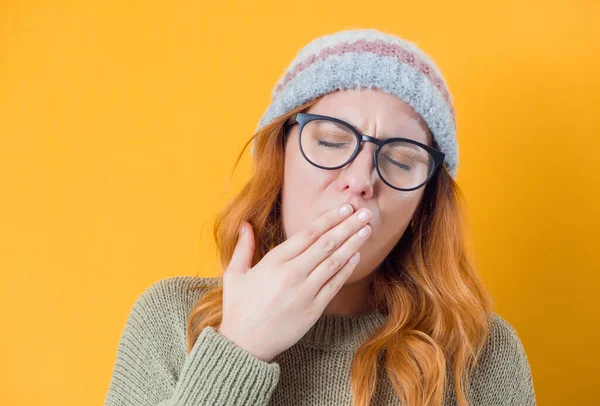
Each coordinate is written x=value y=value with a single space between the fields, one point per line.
x=335 y=332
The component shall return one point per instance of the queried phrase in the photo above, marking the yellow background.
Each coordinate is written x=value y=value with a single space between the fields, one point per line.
x=120 y=123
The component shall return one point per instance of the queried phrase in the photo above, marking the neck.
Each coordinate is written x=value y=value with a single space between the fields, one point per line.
x=352 y=299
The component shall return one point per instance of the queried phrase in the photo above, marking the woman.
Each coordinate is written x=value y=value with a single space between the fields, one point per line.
x=349 y=281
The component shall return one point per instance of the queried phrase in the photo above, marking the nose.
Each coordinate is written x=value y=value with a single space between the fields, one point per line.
x=359 y=175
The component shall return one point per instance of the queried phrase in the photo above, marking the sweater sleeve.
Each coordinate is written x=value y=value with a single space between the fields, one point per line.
x=215 y=372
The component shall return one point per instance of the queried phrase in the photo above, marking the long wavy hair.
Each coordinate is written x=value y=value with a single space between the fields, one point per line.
x=437 y=309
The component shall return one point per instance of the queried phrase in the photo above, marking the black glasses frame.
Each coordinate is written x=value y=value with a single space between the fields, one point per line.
x=303 y=118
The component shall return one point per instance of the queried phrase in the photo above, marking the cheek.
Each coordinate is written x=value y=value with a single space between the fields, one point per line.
x=299 y=192
x=303 y=195
x=396 y=212
x=303 y=182
x=300 y=172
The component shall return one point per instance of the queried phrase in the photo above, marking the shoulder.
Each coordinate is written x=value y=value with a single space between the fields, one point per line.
x=503 y=337
x=504 y=346
x=503 y=370
x=155 y=329
x=172 y=296
x=163 y=307
x=175 y=288
x=152 y=348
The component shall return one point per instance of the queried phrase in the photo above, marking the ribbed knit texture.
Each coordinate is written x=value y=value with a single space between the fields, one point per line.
x=153 y=368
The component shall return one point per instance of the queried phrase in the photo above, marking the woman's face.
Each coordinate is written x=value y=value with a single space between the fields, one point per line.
x=308 y=191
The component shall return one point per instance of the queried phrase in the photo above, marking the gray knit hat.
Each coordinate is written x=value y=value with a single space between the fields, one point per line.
x=368 y=58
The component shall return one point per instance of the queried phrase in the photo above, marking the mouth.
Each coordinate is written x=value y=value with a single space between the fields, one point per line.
x=354 y=203
x=356 y=206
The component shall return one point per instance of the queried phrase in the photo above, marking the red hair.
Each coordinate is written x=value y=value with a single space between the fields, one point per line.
x=437 y=309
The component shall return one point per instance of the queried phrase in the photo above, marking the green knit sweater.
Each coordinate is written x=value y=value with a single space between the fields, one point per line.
x=153 y=368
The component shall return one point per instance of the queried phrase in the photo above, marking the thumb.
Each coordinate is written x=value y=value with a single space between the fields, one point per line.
x=243 y=253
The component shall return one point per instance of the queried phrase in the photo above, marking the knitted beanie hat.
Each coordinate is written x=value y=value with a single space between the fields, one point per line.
x=368 y=58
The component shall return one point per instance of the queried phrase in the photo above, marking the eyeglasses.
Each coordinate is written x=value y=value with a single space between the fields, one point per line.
x=330 y=143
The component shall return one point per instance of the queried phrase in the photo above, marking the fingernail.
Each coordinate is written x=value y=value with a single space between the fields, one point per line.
x=363 y=215
x=242 y=230
x=364 y=231
x=345 y=210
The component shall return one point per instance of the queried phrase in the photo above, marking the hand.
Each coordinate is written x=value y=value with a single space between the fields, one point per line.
x=269 y=307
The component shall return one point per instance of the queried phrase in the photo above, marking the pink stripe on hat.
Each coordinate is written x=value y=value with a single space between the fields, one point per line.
x=378 y=47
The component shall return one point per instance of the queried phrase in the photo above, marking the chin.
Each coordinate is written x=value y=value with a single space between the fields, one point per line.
x=359 y=273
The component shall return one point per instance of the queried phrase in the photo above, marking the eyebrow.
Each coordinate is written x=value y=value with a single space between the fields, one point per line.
x=411 y=146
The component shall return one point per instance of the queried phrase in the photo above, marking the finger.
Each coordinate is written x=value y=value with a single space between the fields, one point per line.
x=329 y=242
x=241 y=260
x=328 y=291
x=304 y=238
x=332 y=264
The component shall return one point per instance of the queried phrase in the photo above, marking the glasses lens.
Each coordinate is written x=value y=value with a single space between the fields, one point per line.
x=404 y=165
x=326 y=143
